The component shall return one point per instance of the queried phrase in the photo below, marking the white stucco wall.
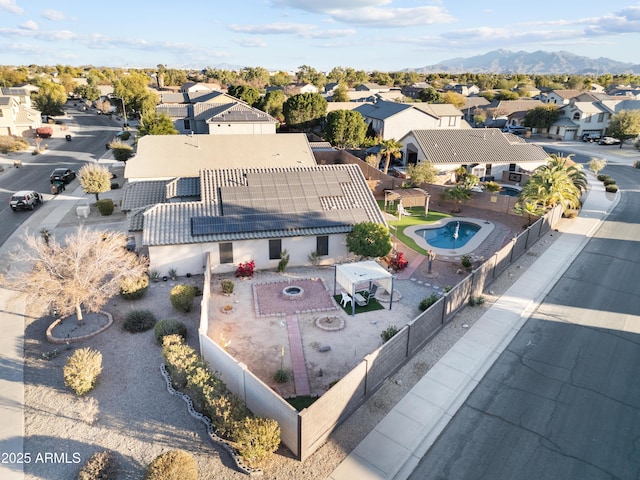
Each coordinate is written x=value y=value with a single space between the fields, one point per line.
x=191 y=258
x=263 y=128
x=399 y=125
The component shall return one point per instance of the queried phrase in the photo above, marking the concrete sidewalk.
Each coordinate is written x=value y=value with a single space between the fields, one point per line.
x=396 y=445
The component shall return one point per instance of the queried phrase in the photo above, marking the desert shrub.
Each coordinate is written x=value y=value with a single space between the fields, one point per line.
x=139 y=321
x=82 y=369
x=466 y=262
x=609 y=181
x=227 y=286
x=492 y=186
x=388 y=333
x=9 y=143
x=602 y=177
x=134 y=288
x=428 y=301
x=170 y=327
x=636 y=163
x=284 y=261
x=105 y=206
x=100 y=466
x=173 y=465
x=476 y=300
x=181 y=359
x=126 y=135
x=281 y=376
x=257 y=439
x=613 y=188
x=182 y=296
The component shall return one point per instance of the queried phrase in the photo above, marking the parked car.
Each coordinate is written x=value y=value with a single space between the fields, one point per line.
x=516 y=129
x=64 y=175
x=608 y=141
x=25 y=200
x=591 y=137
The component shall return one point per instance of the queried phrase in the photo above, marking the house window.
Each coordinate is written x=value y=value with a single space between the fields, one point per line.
x=226 y=252
x=588 y=119
x=576 y=116
x=601 y=117
x=512 y=167
x=452 y=121
x=187 y=124
x=275 y=247
x=322 y=245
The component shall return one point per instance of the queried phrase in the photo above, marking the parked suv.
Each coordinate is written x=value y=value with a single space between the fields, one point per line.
x=25 y=200
x=590 y=137
x=516 y=129
x=64 y=175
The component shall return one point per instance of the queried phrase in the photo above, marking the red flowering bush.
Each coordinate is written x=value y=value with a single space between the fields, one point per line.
x=246 y=269
x=398 y=262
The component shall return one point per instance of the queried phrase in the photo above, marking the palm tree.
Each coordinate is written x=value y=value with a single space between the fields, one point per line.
x=554 y=184
x=390 y=148
x=530 y=209
x=458 y=194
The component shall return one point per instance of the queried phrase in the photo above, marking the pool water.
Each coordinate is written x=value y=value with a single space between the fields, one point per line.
x=444 y=237
x=511 y=192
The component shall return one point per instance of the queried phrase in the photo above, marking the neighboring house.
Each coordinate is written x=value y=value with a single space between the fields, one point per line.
x=255 y=214
x=394 y=120
x=16 y=118
x=295 y=89
x=624 y=91
x=215 y=113
x=21 y=94
x=414 y=89
x=498 y=112
x=371 y=87
x=559 y=97
x=193 y=87
x=462 y=89
x=471 y=106
x=578 y=118
x=329 y=88
x=483 y=152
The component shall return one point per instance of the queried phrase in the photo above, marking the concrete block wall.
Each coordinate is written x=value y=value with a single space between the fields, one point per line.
x=386 y=359
x=425 y=326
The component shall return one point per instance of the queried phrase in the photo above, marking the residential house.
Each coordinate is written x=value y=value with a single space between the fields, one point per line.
x=624 y=90
x=462 y=89
x=193 y=87
x=498 y=112
x=578 y=118
x=329 y=88
x=16 y=118
x=471 y=105
x=414 y=89
x=486 y=152
x=246 y=214
x=559 y=97
x=214 y=113
x=371 y=88
x=394 y=120
x=295 y=89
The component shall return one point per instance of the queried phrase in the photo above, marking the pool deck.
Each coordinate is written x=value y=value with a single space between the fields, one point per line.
x=486 y=227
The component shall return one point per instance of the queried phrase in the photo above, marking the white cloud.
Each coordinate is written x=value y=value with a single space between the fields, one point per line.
x=252 y=42
x=324 y=6
x=303 y=30
x=10 y=6
x=51 y=14
x=29 y=25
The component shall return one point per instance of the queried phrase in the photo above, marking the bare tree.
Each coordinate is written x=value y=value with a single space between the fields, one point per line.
x=84 y=272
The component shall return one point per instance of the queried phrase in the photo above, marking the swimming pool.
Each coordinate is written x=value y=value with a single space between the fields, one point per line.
x=439 y=236
x=509 y=191
x=454 y=234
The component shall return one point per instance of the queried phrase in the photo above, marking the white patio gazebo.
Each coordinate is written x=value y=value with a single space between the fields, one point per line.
x=349 y=275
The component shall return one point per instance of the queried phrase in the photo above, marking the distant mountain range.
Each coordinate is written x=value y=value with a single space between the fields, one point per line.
x=505 y=61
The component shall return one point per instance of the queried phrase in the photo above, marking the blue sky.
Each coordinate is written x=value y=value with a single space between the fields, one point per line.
x=385 y=35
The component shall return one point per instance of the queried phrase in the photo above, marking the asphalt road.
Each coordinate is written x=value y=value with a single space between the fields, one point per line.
x=563 y=400
x=90 y=133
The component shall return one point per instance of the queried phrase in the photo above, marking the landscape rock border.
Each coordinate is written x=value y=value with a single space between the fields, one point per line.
x=61 y=341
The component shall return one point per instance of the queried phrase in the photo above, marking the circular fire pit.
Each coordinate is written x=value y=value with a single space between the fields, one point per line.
x=293 y=292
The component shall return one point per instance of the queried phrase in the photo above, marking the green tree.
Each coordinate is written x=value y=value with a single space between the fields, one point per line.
x=307 y=74
x=121 y=151
x=88 y=92
x=246 y=93
x=381 y=78
x=552 y=184
x=429 y=95
x=133 y=91
x=423 y=172
x=94 y=178
x=541 y=117
x=459 y=194
x=345 y=128
x=506 y=95
x=272 y=103
x=597 y=164
x=280 y=79
x=573 y=170
x=530 y=209
x=454 y=99
x=390 y=148
x=257 y=76
x=624 y=125
x=156 y=124
x=304 y=110
x=340 y=94
x=369 y=239
x=50 y=99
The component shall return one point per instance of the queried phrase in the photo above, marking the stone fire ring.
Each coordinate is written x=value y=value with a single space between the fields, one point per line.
x=330 y=324
x=293 y=292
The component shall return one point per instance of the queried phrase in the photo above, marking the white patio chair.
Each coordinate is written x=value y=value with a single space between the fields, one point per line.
x=346 y=298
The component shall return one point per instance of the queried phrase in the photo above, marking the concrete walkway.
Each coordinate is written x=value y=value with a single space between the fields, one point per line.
x=298 y=365
x=396 y=445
